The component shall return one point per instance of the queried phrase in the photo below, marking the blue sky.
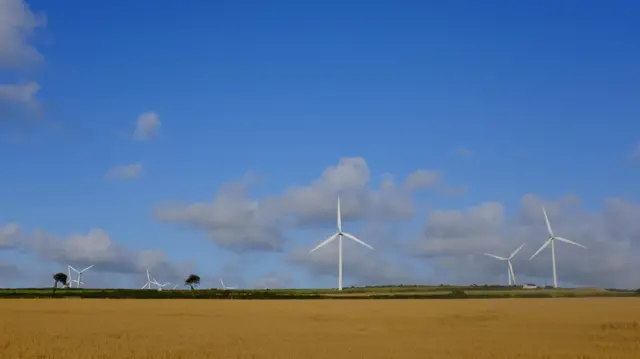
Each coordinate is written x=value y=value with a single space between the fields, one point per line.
x=543 y=97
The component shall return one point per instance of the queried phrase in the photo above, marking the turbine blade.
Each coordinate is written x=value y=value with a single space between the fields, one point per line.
x=221 y=282
x=516 y=251
x=353 y=238
x=148 y=276
x=546 y=220
x=496 y=257
x=73 y=269
x=541 y=248
x=86 y=269
x=570 y=242
x=339 y=217
x=323 y=243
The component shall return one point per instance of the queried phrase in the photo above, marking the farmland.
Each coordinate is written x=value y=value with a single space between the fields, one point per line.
x=508 y=328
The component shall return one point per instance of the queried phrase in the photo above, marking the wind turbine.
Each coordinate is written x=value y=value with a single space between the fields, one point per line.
x=174 y=287
x=160 y=286
x=510 y=273
x=552 y=240
x=339 y=235
x=69 y=280
x=225 y=287
x=79 y=280
x=147 y=285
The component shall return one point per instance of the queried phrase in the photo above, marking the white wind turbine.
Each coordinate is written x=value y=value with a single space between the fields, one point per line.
x=339 y=235
x=151 y=280
x=147 y=285
x=79 y=280
x=552 y=240
x=160 y=286
x=69 y=280
x=510 y=273
x=225 y=287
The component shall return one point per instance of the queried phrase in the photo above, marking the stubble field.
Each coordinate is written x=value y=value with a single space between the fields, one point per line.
x=502 y=328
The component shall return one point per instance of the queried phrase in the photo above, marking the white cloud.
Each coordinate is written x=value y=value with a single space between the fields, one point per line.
x=147 y=126
x=98 y=248
x=236 y=222
x=124 y=172
x=422 y=179
x=17 y=24
x=23 y=93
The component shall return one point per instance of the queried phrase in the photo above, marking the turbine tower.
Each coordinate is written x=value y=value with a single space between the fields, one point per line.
x=339 y=235
x=510 y=273
x=552 y=240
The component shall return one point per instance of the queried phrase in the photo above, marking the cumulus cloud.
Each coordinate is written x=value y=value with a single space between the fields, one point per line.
x=422 y=179
x=23 y=93
x=124 y=172
x=95 y=247
x=147 y=126
x=17 y=25
x=453 y=241
x=239 y=223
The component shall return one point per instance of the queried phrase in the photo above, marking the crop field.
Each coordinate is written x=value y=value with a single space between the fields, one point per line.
x=576 y=328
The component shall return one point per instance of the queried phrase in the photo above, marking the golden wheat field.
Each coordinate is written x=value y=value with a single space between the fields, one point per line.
x=333 y=329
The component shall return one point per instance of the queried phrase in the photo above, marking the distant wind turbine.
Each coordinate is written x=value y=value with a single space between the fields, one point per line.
x=339 y=235
x=225 y=287
x=160 y=286
x=511 y=274
x=79 y=280
x=552 y=240
x=147 y=285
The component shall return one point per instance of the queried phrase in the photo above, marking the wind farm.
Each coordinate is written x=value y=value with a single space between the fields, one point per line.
x=75 y=287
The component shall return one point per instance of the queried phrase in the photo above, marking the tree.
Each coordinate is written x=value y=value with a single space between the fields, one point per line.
x=192 y=281
x=59 y=278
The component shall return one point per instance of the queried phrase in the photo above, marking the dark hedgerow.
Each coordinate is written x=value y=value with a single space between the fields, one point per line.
x=454 y=293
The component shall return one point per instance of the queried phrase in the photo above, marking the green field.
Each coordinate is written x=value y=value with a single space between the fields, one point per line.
x=388 y=292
